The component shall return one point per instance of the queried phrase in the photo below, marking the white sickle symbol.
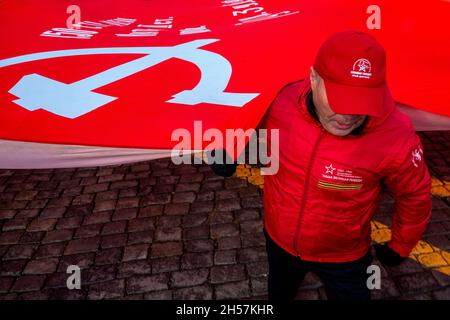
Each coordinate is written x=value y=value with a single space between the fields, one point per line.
x=73 y=100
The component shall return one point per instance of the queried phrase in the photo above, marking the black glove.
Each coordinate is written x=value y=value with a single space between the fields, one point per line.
x=226 y=169
x=388 y=256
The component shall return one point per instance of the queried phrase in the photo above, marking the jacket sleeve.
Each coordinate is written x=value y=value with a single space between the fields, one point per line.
x=409 y=182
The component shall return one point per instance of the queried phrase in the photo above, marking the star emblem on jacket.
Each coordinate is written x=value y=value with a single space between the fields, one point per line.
x=330 y=169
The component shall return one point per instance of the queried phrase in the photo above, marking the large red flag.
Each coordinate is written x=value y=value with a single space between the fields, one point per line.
x=86 y=83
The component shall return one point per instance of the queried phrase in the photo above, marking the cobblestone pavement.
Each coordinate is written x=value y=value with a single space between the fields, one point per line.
x=154 y=230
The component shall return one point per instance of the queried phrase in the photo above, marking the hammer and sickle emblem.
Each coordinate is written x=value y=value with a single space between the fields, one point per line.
x=75 y=99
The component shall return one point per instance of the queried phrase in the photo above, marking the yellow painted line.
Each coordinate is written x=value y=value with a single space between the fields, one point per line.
x=440 y=188
x=427 y=255
x=252 y=175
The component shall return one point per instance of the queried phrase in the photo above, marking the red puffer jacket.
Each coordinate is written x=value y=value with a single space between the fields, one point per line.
x=320 y=203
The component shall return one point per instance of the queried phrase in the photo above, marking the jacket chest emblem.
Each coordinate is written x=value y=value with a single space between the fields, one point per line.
x=334 y=178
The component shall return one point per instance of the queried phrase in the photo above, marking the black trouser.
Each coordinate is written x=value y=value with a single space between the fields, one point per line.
x=342 y=281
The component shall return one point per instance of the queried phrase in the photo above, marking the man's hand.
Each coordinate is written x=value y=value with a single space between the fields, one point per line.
x=387 y=256
x=226 y=168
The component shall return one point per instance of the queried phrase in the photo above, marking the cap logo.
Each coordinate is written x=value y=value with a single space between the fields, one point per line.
x=361 y=69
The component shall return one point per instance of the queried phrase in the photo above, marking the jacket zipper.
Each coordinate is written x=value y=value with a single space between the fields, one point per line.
x=305 y=190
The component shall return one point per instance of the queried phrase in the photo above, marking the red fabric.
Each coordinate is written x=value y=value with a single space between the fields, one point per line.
x=320 y=203
x=264 y=54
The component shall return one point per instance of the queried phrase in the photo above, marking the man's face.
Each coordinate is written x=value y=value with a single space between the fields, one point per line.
x=334 y=123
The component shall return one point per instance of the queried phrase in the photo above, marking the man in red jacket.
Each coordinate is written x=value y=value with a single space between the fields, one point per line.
x=340 y=139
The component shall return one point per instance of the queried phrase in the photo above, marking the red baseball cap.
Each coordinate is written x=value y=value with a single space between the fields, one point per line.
x=353 y=67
